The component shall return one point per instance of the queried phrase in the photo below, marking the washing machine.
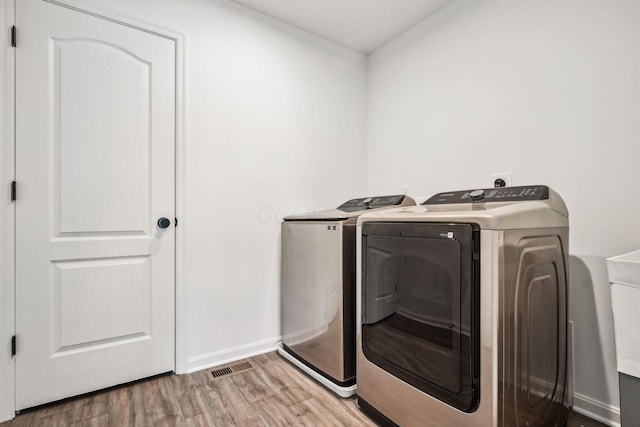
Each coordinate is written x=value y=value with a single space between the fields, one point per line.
x=462 y=310
x=318 y=290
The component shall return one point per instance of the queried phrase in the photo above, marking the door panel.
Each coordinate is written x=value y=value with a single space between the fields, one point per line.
x=101 y=286
x=95 y=167
x=420 y=292
x=88 y=145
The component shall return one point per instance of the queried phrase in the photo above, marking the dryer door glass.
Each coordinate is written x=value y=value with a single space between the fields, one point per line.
x=419 y=303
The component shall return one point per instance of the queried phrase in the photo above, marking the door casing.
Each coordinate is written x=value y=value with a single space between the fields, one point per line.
x=7 y=211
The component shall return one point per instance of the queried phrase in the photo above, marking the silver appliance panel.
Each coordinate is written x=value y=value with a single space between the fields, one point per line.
x=533 y=325
x=318 y=294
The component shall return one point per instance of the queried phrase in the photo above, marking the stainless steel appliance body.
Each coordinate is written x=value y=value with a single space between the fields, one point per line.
x=462 y=309
x=318 y=290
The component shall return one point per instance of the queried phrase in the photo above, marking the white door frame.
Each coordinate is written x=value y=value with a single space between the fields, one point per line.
x=7 y=215
x=7 y=210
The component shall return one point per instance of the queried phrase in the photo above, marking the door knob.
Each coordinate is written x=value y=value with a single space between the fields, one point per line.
x=164 y=222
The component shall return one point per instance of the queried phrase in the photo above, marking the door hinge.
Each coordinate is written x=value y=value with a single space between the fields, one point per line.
x=13 y=346
x=176 y=221
x=13 y=191
x=14 y=37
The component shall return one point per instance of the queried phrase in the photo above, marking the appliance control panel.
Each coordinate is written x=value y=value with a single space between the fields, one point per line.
x=371 y=203
x=500 y=194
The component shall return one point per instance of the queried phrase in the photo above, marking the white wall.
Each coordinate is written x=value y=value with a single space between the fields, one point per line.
x=548 y=90
x=275 y=122
x=7 y=325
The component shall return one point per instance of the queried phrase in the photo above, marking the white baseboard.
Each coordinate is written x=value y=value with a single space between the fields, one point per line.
x=599 y=411
x=6 y=416
x=205 y=361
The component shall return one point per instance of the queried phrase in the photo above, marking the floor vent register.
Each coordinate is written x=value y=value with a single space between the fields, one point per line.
x=230 y=370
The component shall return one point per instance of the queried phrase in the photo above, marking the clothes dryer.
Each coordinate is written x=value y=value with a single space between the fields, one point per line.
x=318 y=290
x=462 y=309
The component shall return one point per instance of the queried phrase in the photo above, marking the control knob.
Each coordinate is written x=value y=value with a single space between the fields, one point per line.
x=476 y=195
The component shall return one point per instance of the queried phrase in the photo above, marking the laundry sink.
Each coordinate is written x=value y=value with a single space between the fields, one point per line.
x=625 y=269
x=624 y=276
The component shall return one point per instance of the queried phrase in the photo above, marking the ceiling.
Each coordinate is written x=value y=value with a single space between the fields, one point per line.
x=362 y=25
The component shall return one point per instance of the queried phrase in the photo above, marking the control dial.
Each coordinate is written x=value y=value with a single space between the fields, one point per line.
x=476 y=195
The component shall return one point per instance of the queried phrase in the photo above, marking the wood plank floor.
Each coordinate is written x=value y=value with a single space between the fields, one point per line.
x=273 y=393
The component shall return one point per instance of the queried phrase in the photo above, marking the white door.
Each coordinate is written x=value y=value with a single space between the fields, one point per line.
x=95 y=156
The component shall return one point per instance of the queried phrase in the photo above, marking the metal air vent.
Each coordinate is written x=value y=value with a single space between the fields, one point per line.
x=230 y=370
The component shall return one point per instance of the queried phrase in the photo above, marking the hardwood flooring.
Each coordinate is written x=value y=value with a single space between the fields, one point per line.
x=273 y=393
